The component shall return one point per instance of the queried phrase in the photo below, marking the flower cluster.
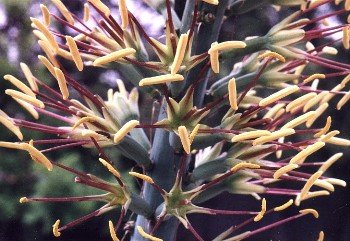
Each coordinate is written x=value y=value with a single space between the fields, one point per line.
x=222 y=130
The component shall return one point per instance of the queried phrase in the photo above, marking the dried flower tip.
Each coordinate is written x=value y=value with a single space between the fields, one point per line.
x=180 y=53
x=185 y=139
x=299 y=120
x=100 y=6
x=284 y=206
x=146 y=235
x=64 y=11
x=194 y=132
x=232 y=93
x=37 y=156
x=309 y=183
x=23 y=200
x=313 y=77
x=310 y=211
x=273 y=136
x=162 y=79
x=270 y=54
x=22 y=96
x=300 y=101
x=345 y=81
x=28 y=107
x=214 y=59
x=262 y=212
x=300 y=157
x=330 y=50
x=228 y=45
x=250 y=135
x=325 y=129
x=62 y=83
x=328 y=136
x=274 y=110
x=214 y=2
x=86 y=12
x=244 y=165
x=318 y=112
x=46 y=14
x=336 y=181
x=338 y=141
x=55 y=231
x=112 y=57
x=19 y=84
x=46 y=32
x=6 y=121
x=343 y=100
x=284 y=170
x=73 y=48
x=123 y=10
x=142 y=176
x=110 y=168
x=321 y=236
x=346 y=37
x=10 y=145
x=126 y=128
x=29 y=76
x=112 y=231
x=278 y=95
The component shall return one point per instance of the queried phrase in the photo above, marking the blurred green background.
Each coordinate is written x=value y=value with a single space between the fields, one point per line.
x=20 y=177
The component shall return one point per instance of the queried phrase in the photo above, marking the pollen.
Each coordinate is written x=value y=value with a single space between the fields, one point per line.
x=284 y=206
x=346 y=37
x=73 y=48
x=309 y=183
x=126 y=128
x=101 y=7
x=45 y=46
x=278 y=95
x=46 y=14
x=310 y=211
x=300 y=101
x=345 y=81
x=232 y=94
x=123 y=10
x=336 y=181
x=313 y=77
x=284 y=170
x=274 y=110
x=318 y=112
x=86 y=12
x=23 y=200
x=62 y=83
x=262 y=212
x=112 y=57
x=28 y=107
x=343 y=100
x=214 y=59
x=299 y=158
x=110 y=168
x=299 y=120
x=328 y=136
x=146 y=235
x=214 y=2
x=194 y=132
x=162 y=79
x=273 y=136
x=330 y=50
x=250 y=135
x=37 y=156
x=47 y=64
x=314 y=100
x=180 y=53
x=11 y=145
x=244 y=165
x=112 y=231
x=55 y=228
x=270 y=54
x=64 y=11
x=29 y=76
x=338 y=141
x=320 y=236
x=28 y=98
x=46 y=32
x=19 y=84
x=325 y=129
x=142 y=176
x=185 y=139
x=228 y=45
x=315 y=194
